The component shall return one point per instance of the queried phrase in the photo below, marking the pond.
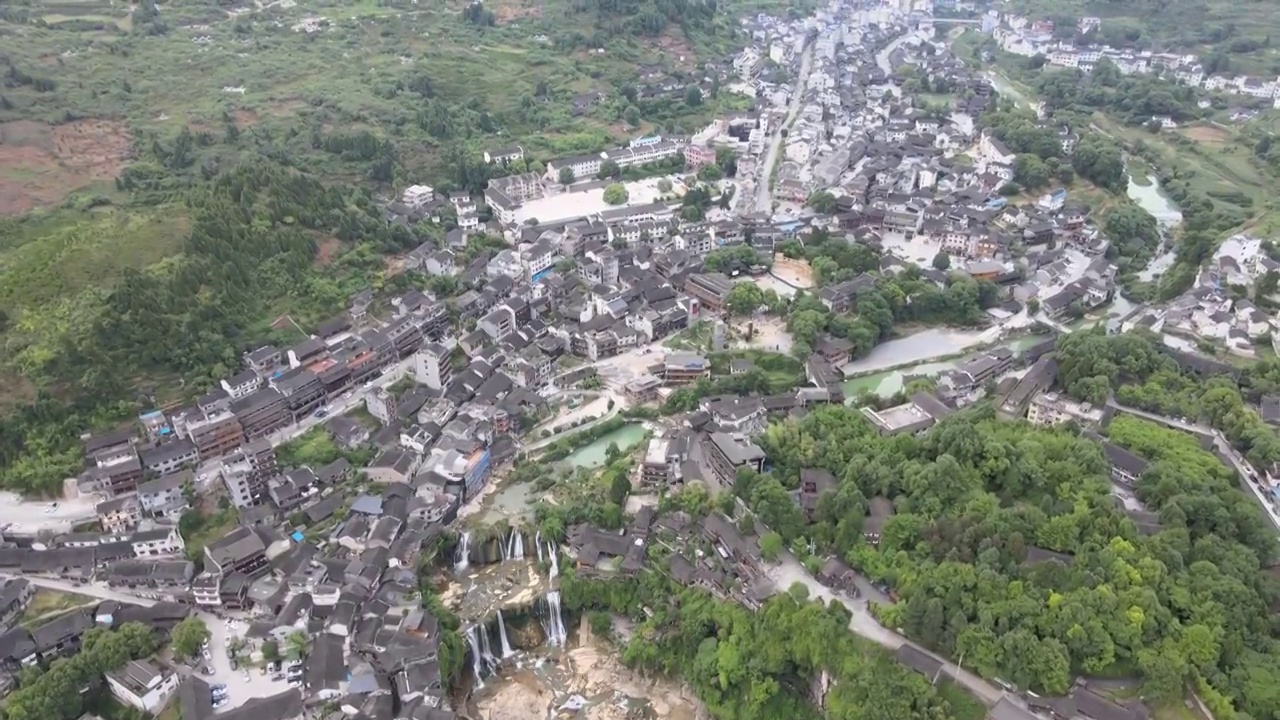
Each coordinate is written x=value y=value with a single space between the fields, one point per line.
x=512 y=503
x=593 y=455
x=889 y=382
x=1152 y=199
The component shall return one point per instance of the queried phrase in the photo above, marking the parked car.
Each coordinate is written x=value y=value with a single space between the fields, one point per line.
x=234 y=665
x=247 y=677
x=220 y=701
x=219 y=688
x=206 y=670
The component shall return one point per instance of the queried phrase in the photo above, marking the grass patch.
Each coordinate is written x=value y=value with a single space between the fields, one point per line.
x=46 y=256
x=46 y=603
x=964 y=705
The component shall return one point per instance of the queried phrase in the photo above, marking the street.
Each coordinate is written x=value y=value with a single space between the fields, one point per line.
x=1223 y=446
x=764 y=202
x=789 y=571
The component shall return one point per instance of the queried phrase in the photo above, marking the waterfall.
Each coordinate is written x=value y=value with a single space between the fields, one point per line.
x=517 y=545
x=490 y=661
x=505 y=548
x=502 y=633
x=554 y=625
x=474 y=641
x=537 y=543
x=463 y=557
x=555 y=562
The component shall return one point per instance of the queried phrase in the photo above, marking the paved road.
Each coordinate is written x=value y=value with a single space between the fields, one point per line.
x=789 y=571
x=239 y=690
x=882 y=59
x=764 y=201
x=1224 y=446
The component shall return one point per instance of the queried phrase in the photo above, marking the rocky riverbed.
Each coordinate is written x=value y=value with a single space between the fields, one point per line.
x=588 y=682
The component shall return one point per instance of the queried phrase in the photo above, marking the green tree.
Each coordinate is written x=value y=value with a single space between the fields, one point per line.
x=615 y=194
x=710 y=173
x=271 y=651
x=771 y=546
x=744 y=298
x=822 y=202
x=608 y=170
x=566 y=175
x=189 y=636
x=942 y=261
x=693 y=97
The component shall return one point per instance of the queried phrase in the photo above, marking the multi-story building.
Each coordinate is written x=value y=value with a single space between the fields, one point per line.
x=711 y=289
x=164 y=497
x=303 y=390
x=114 y=473
x=1051 y=409
x=239 y=551
x=381 y=404
x=119 y=515
x=260 y=413
x=170 y=457
x=215 y=434
x=726 y=454
x=683 y=368
x=157 y=543
x=431 y=366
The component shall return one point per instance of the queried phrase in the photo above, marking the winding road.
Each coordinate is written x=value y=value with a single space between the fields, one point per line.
x=788 y=571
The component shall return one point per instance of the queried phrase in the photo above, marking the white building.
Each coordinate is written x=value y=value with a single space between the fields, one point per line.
x=431 y=366
x=1052 y=409
x=416 y=196
x=143 y=685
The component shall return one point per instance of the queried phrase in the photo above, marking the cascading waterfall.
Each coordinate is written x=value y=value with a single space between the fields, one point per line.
x=555 y=562
x=486 y=651
x=502 y=634
x=554 y=625
x=463 y=557
x=473 y=639
x=537 y=542
x=505 y=549
x=517 y=545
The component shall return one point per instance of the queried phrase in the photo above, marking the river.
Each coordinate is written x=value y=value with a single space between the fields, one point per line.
x=889 y=382
x=593 y=455
x=920 y=347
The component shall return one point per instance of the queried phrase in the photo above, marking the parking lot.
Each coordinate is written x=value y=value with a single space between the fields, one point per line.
x=243 y=684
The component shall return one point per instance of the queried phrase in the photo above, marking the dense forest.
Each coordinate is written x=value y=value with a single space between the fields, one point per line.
x=757 y=666
x=1132 y=365
x=979 y=500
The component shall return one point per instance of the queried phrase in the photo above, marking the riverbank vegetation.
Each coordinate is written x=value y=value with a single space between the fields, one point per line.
x=758 y=665
x=1008 y=547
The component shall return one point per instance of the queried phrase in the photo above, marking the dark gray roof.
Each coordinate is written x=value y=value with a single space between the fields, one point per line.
x=235 y=545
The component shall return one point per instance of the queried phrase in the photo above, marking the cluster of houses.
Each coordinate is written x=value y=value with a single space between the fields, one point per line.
x=1022 y=36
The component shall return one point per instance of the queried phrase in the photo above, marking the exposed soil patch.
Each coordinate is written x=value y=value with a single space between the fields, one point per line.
x=1206 y=134
x=393 y=265
x=505 y=11
x=675 y=45
x=244 y=118
x=42 y=164
x=325 y=251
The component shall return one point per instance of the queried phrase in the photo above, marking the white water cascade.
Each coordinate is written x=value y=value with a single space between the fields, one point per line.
x=554 y=625
x=463 y=557
x=486 y=651
x=473 y=639
x=502 y=634
x=537 y=542
x=515 y=546
x=555 y=562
